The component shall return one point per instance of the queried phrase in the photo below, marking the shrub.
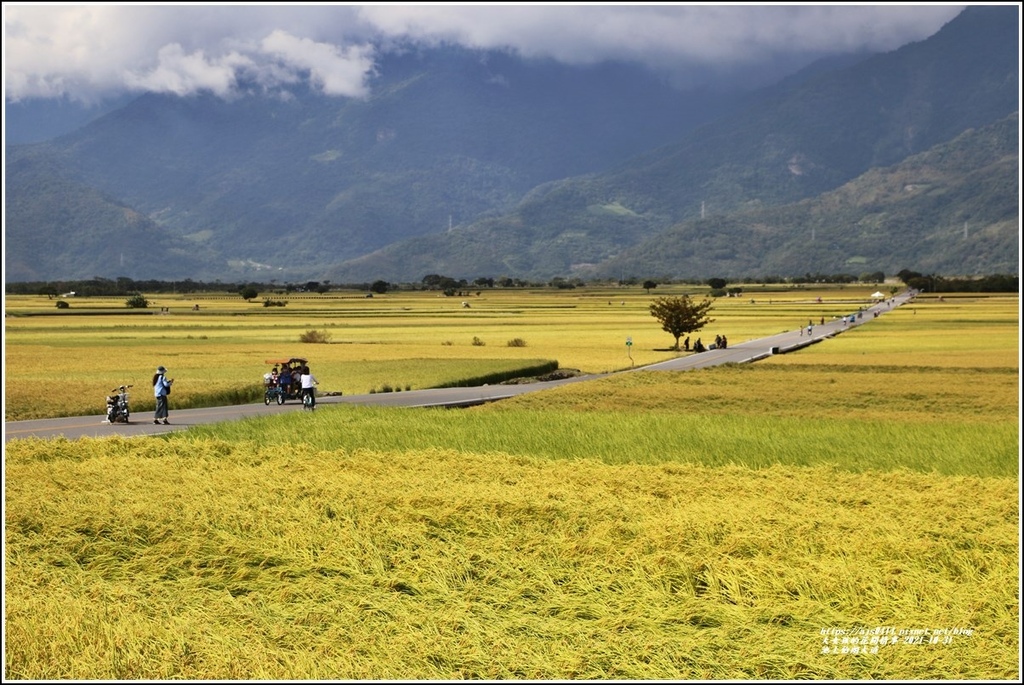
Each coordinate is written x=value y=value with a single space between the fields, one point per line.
x=477 y=342
x=136 y=301
x=517 y=342
x=61 y=304
x=315 y=336
x=502 y=376
x=274 y=303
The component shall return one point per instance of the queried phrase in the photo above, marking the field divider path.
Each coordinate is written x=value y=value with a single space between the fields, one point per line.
x=74 y=427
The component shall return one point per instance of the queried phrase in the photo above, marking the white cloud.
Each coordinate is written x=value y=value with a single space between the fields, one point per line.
x=337 y=71
x=182 y=74
x=86 y=51
x=666 y=33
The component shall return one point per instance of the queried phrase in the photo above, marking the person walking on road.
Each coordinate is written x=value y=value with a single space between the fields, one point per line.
x=161 y=389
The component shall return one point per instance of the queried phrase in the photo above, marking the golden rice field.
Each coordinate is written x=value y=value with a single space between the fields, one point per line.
x=192 y=559
x=63 y=362
x=850 y=511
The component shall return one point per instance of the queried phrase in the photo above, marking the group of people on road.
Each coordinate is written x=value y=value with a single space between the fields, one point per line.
x=287 y=379
x=303 y=379
x=294 y=381
x=698 y=346
x=297 y=381
x=810 y=326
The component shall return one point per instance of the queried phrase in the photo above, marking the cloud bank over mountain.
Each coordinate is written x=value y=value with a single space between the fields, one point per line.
x=85 y=53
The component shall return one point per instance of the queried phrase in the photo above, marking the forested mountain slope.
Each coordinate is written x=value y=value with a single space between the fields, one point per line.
x=794 y=143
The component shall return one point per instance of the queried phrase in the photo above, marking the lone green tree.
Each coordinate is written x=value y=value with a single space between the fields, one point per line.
x=681 y=315
x=717 y=283
x=136 y=301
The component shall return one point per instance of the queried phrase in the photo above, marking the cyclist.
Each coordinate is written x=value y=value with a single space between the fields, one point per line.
x=309 y=383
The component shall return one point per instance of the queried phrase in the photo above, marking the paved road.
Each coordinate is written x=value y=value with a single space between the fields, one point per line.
x=788 y=341
x=142 y=423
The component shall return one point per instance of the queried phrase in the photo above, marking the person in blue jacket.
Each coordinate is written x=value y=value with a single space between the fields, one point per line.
x=161 y=389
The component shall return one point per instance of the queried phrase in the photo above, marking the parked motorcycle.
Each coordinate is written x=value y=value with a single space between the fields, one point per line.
x=117 y=405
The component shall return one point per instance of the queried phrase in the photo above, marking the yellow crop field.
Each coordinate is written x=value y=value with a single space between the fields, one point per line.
x=203 y=559
x=848 y=511
x=966 y=331
x=63 y=362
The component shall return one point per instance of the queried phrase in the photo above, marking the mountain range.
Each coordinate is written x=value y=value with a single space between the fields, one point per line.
x=470 y=163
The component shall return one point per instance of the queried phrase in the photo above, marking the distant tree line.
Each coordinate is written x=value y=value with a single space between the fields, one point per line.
x=123 y=286
x=105 y=287
x=108 y=287
x=996 y=283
